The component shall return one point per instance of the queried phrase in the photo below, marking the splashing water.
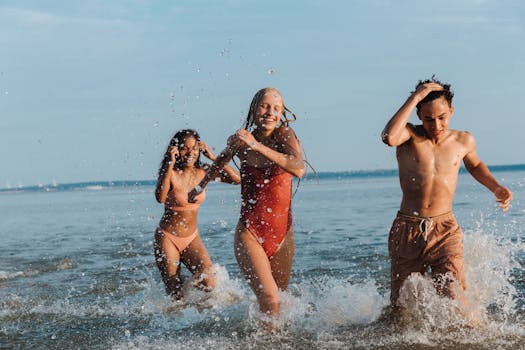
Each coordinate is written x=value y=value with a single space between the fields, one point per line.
x=90 y=281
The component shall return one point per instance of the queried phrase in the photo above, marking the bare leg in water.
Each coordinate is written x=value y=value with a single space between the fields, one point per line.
x=195 y=257
x=265 y=276
x=167 y=257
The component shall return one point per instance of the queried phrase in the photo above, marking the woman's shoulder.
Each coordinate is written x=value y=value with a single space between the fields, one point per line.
x=285 y=132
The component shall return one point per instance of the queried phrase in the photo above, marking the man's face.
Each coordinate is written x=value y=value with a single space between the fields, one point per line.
x=435 y=116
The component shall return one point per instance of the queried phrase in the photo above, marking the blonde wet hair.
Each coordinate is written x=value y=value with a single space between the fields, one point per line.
x=250 y=118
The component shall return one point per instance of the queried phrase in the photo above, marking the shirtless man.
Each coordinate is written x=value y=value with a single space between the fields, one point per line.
x=425 y=233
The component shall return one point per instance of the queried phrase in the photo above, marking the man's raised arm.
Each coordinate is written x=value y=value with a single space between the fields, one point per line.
x=396 y=132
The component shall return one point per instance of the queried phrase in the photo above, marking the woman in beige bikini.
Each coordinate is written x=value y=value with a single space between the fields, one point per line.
x=177 y=237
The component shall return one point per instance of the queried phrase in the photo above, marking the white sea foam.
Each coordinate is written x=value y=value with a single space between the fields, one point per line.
x=227 y=292
x=7 y=275
x=350 y=304
x=94 y=188
x=333 y=302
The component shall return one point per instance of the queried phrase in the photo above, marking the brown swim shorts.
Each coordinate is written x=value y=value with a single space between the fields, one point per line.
x=417 y=243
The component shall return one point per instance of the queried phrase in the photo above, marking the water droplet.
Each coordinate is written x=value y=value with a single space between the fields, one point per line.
x=271 y=71
x=266 y=181
x=416 y=213
x=269 y=210
x=156 y=124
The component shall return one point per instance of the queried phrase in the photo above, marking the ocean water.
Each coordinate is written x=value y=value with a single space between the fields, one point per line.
x=77 y=272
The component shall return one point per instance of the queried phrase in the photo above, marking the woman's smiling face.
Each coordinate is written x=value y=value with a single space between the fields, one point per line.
x=189 y=151
x=269 y=111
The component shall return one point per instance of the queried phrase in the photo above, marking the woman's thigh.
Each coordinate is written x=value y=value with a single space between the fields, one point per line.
x=253 y=262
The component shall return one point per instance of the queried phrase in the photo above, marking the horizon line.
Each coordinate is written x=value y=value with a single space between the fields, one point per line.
x=320 y=174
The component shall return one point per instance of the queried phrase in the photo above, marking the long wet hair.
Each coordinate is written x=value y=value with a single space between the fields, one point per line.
x=178 y=141
x=284 y=119
x=250 y=117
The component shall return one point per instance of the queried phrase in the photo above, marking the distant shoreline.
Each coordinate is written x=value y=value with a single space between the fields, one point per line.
x=99 y=185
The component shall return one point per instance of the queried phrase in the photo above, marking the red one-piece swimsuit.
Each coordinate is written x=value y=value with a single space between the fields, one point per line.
x=266 y=204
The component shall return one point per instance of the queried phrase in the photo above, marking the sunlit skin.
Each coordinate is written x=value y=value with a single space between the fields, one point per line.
x=429 y=157
x=184 y=223
x=268 y=143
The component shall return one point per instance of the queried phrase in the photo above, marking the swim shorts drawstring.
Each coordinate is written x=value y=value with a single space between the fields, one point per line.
x=425 y=226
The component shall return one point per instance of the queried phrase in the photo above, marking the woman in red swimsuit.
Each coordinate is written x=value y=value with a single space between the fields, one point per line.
x=270 y=156
x=177 y=237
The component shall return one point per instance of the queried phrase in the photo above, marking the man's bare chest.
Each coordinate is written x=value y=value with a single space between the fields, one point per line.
x=428 y=156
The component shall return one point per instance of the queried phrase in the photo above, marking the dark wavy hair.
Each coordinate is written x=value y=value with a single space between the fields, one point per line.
x=178 y=141
x=250 y=117
x=447 y=93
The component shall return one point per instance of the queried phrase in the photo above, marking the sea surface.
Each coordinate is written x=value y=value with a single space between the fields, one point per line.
x=77 y=271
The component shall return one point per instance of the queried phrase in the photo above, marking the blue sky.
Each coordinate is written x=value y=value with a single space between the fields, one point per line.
x=93 y=90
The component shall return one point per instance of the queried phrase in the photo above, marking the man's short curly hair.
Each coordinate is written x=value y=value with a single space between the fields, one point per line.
x=447 y=93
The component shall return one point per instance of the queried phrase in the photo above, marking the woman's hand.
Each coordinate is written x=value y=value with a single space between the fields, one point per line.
x=206 y=151
x=247 y=138
x=194 y=193
x=174 y=153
